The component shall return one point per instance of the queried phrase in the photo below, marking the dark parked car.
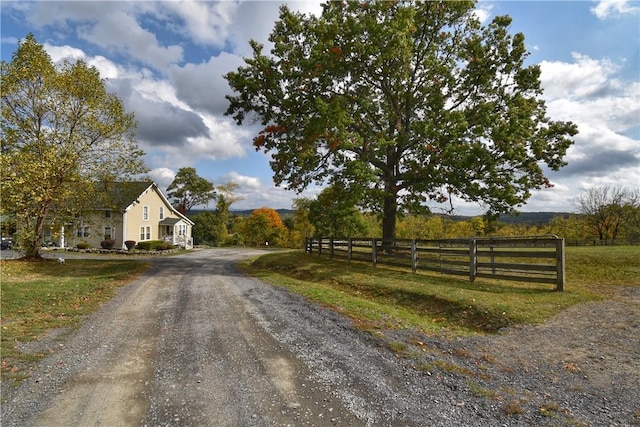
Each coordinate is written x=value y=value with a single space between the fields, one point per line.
x=6 y=243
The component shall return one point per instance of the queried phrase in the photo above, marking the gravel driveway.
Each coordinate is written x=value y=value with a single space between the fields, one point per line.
x=194 y=342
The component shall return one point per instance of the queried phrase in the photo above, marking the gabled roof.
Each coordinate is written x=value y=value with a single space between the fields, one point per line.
x=170 y=221
x=120 y=195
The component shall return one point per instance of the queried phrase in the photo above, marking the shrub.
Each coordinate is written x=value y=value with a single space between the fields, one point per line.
x=108 y=244
x=164 y=246
x=83 y=245
x=154 y=245
x=130 y=244
x=145 y=246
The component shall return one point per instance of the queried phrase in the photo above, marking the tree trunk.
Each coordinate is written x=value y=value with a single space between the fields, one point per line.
x=390 y=204
x=390 y=210
x=32 y=246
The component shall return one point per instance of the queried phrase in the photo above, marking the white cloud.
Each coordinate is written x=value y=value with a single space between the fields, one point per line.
x=591 y=93
x=243 y=181
x=607 y=8
x=606 y=108
x=205 y=23
x=162 y=176
x=583 y=78
x=483 y=11
x=120 y=32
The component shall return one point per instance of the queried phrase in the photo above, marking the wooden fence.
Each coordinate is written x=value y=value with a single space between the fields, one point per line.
x=537 y=259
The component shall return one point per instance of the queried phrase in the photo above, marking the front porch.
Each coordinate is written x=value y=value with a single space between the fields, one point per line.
x=175 y=231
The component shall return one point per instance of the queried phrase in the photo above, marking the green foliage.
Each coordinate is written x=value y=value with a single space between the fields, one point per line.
x=154 y=245
x=62 y=132
x=208 y=229
x=401 y=102
x=212 y=228
x=188 y=190
x=333 y=214
x=302 y=225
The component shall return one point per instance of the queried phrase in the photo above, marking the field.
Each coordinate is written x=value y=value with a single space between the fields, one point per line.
x=384 y=297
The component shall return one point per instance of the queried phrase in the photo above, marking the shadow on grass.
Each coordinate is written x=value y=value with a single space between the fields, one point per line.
x=443 y=300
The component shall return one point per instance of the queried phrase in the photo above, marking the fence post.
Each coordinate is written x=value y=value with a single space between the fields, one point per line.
x=374 y=251
x=331 y=248
x=560 y=263
x=414 y=256
x=320 y=246
x=349 y=249
x=473 y=259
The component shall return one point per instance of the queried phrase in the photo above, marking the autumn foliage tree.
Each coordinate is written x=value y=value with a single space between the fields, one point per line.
x=264 y=226
x=62 y=134
x=401 y=103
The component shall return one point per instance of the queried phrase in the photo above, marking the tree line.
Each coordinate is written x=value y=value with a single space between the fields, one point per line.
x=604 y=215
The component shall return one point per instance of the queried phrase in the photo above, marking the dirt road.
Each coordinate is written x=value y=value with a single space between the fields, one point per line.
x=194 y=342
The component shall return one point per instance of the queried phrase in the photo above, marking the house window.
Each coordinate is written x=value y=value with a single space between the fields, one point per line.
x=108 y=233
x=82 y=232
x=145 y=213
x=169 y=230
x=182 y=228
x=107 y=214
x=161 y=212
x=145 y=233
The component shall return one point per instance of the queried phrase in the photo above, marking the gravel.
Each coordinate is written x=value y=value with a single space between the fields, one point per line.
x=196 y=343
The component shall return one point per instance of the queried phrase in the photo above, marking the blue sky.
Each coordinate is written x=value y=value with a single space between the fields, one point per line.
x=166 y=61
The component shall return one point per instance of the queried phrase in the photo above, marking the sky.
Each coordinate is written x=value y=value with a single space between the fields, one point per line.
x=166 y=61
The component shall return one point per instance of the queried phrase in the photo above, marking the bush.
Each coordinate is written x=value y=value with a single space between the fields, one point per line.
x=130 y=244
x=145 y=246
x=83 y=245
x=165 y=246
x=154 y=245
x=108 y=244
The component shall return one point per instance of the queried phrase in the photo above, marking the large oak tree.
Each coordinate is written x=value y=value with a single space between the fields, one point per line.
x=402 y=103
x=62 y=134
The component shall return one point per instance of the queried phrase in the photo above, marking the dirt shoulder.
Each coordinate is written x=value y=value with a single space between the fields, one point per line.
x=196 y=342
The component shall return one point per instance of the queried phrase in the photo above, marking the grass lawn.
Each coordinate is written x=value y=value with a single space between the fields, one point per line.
x=384 y=297
x=37 y=297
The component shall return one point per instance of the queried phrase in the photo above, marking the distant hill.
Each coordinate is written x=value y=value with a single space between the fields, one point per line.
x=243 y=212
x=533 y=218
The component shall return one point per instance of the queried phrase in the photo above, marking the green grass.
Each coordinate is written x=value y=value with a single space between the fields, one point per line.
x=38 y=297
x=384 y=297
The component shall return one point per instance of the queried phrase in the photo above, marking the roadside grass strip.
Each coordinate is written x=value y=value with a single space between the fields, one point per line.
x=395 y=298
x=50 y=299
